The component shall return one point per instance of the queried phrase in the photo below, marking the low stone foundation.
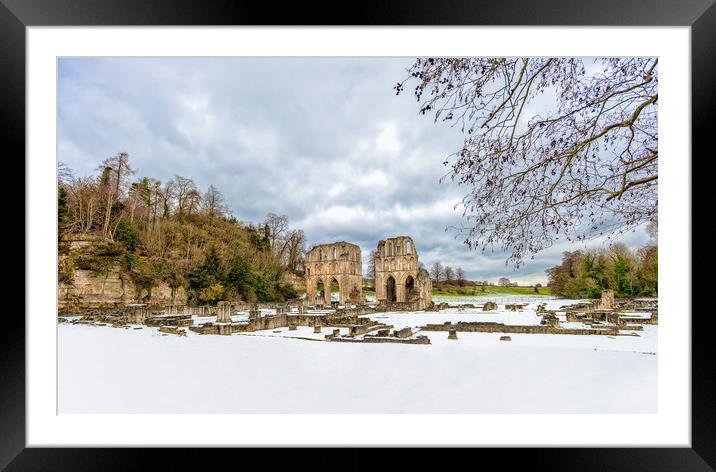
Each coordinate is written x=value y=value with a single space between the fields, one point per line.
x=515 y=306
x=415 y=305
x=177 y=320
x=490 y=327
x=370 y=339
x=172 y=330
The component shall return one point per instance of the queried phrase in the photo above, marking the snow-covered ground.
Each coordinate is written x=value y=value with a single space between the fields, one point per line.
x=112 y=370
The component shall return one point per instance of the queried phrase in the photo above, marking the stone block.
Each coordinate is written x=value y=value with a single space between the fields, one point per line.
x=489 y=306
x=403 y=333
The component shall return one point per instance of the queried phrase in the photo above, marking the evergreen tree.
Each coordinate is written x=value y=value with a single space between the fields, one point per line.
x=206 y=281
x=62 y=210
x=240 y=277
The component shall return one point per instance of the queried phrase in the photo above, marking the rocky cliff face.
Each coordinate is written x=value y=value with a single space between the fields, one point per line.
x=114 y=288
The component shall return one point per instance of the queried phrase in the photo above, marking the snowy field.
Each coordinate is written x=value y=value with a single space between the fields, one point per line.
x=112 y=370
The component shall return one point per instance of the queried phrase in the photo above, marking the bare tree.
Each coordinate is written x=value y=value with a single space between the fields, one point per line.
x=84 y=205
x=277 y=227
x=139 y=199
x=214 y=203
x=167 y=195
x=65 y=175
x=185 y=194
x=193 y=202
x=295 y=251
x=449 y=275
x=371 y=265
x=460 y=276
x=113 y=179
x=436 y=272
x=584 y=167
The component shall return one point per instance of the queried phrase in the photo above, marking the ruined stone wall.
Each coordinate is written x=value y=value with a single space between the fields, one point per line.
x=424 y=290
x=340 y=262
x=398 y=276
x=296 y=281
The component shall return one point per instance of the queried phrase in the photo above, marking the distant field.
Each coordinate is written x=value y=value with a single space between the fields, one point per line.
x=470 y=290
x=487 y=290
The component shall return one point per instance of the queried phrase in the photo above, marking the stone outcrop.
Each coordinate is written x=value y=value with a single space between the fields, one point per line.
x=115 y=288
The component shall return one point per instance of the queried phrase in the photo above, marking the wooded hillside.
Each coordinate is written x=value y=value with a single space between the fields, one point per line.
x=173 y=232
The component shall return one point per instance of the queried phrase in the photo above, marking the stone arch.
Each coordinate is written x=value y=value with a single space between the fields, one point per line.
x=320 y=292
x=338 y=288
x=410 y=289
x=391 y=289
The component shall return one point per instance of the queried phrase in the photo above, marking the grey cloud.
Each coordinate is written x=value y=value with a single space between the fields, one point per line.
x=325 y=141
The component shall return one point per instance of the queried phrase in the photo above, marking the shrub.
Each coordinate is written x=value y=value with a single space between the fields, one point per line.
x=110 y=249
x=127 y=233
x=144 y=273
x=212 y=294
x=286 y=292
x=98 y=264
x=66 y=271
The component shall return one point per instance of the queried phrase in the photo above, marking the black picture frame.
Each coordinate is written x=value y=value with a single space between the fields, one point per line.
x=700 y=15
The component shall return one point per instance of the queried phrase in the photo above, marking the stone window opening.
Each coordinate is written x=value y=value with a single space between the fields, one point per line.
x=407 y=247
x=390 y=291
x=410 y=287
x=337 y=286
x=320 y=293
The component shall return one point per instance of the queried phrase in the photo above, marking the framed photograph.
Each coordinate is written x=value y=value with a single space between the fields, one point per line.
x=412 y=227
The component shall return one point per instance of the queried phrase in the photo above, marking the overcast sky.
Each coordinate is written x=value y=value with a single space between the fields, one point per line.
x=324 y=141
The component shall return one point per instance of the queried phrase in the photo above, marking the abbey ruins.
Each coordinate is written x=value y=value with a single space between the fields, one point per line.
x=398 y=275
x=334 y=264
x=401 y=284
x=399 y=280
